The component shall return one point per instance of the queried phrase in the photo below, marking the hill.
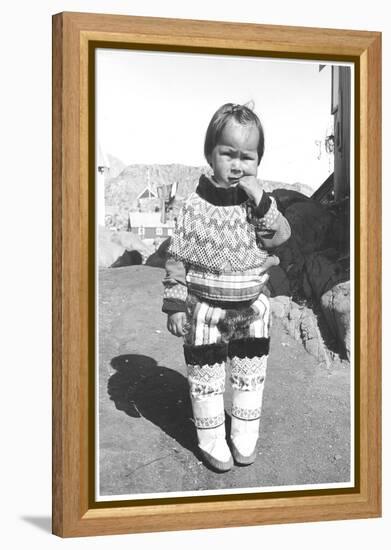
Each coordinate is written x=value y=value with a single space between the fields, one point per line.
x=122 y=190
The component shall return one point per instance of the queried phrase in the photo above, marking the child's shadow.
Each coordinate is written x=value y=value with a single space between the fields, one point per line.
x=141 y=387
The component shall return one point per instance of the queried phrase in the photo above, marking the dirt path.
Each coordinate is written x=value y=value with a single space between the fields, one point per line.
x=147 y=438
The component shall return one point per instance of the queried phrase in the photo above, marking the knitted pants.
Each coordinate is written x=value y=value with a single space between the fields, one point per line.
x=217 y=336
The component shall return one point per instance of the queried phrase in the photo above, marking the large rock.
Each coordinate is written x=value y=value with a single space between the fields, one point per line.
x=108 y=251
x=129 y=257
x=311 y=337
x=130 y=241
x=302 y=324
x=335 y=304
x=316 y=257
x=113 y=244
x=310 y=223
x=280 y=306
x=158 y=258
x=314 y=269
x=287 y=197
x=323 y=270
x=278 y=283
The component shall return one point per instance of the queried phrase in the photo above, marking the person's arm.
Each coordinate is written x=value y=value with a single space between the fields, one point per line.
x=175 y=290
x=272 y=227
x=174 y=297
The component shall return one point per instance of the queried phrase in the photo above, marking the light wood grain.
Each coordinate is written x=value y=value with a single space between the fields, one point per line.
x=57 y=413
x=72 y=33
x=371 y=412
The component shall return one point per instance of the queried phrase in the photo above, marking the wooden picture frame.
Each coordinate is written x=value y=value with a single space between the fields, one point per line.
x=74 y=37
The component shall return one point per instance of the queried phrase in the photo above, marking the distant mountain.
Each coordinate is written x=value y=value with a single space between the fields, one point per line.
x=121 y=191
x=116 y=166
x=306 y=190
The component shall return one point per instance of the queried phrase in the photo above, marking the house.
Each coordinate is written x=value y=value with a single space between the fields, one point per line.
x=148 y=225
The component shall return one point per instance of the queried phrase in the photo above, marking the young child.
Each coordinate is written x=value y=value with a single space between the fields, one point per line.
x=215 y=273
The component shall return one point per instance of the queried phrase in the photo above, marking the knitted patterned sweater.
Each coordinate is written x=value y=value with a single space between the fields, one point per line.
x=217 y=251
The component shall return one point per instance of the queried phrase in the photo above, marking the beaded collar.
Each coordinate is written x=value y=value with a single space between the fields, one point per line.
x=219 y=196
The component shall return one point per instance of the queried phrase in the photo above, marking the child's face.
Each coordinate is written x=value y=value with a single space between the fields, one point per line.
x=235 y=155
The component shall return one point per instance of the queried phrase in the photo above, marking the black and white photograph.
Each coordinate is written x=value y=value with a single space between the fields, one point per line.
x=224 y=208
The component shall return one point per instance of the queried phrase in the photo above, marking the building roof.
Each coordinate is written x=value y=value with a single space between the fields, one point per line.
x=147 y=193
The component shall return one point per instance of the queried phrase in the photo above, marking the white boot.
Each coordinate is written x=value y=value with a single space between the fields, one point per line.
x=209 y=418
x=246 y=413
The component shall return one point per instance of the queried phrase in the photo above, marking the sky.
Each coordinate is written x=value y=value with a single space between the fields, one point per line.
x=154 y=108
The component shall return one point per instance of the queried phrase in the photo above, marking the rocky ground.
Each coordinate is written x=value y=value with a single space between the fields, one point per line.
x=147 y=440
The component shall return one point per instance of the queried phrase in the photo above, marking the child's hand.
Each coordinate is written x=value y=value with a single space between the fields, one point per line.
x=176 y=323
x=269 y=262
x=253 y=188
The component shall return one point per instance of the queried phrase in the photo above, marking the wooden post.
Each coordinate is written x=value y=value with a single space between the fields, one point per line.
x=342 y=135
